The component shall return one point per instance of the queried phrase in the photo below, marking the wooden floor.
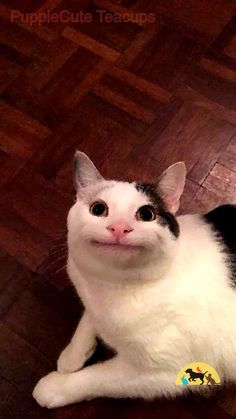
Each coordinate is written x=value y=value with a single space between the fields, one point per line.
x=136 y=97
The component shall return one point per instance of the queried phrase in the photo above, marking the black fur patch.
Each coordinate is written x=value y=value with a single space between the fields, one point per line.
x=223 y=222
x=166 y=217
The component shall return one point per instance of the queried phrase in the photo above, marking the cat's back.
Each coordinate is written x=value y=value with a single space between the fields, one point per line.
x=222 y=221
x=208 y=248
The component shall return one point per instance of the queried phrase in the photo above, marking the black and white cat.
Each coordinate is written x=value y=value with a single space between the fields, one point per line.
x=156 y=288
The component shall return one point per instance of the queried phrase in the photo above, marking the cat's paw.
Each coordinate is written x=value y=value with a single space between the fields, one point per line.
x=50 y=391
x=72 y=360
x=69 y=360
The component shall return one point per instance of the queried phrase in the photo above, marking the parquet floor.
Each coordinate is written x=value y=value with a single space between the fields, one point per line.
x=136 y=97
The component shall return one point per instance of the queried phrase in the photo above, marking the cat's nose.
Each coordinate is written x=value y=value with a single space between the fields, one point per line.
x=119 y=229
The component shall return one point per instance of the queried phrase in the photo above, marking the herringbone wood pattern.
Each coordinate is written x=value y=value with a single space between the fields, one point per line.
x=136 y=97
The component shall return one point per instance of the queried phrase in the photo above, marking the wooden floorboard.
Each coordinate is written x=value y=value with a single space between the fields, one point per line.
x=118 y=91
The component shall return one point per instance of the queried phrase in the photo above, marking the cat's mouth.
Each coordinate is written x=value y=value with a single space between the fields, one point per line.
x=115 y=245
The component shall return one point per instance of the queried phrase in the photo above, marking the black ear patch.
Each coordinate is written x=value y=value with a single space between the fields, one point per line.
x=167 y=218
x=223 y=223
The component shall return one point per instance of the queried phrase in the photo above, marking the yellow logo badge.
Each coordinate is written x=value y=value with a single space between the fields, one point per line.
x=198 y=373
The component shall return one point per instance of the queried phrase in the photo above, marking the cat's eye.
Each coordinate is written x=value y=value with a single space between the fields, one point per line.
x=99 y=209
x=146 y=213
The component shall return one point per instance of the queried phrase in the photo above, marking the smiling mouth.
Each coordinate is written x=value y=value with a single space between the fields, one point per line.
x=115 y=246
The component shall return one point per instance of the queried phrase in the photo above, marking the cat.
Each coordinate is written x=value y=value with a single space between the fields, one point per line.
x=157 y=288
x=211 y=381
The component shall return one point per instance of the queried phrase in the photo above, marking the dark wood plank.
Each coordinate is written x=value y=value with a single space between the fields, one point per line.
x=20 y=363
x=228 y=157
x=222 y=182
x=52 y=331
x=15 y=403
x=197 y=15
x=14 y=278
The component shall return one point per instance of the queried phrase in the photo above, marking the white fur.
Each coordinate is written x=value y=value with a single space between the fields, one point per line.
x=160 y=308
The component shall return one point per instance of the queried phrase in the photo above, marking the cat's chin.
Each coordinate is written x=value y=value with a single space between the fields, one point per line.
x=116 y=247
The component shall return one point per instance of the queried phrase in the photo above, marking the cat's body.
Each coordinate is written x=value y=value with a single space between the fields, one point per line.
x=145 y=318
x=160 y=307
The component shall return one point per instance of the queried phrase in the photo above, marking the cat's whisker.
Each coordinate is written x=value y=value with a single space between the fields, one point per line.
x=57 y=249
x=47 y=242
x=59 y=270
x=44 y=268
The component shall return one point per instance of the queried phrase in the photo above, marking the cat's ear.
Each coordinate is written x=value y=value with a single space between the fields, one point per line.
x=171 y=185
x=84 y=171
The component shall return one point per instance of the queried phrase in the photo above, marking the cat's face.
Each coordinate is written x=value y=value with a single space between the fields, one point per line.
x=121 y=220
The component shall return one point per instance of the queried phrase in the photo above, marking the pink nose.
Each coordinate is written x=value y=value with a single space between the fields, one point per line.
x=119 y=229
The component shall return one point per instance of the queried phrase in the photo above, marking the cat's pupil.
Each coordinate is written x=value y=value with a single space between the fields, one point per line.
x=146 y=213
x=98 y=209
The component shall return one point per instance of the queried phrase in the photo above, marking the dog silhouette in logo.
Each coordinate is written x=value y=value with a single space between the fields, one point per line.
x=193 y=375
x=210 y=380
